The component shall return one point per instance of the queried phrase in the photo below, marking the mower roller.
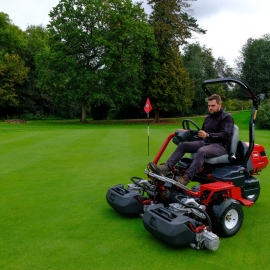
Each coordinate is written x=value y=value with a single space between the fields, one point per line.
x=196 y=216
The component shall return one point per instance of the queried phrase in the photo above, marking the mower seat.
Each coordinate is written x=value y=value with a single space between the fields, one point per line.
x=232 y=153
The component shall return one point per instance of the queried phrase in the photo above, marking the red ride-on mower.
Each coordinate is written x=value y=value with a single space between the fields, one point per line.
x=196 y=216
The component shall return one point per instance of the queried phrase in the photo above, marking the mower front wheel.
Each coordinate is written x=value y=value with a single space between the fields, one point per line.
x=228 y=218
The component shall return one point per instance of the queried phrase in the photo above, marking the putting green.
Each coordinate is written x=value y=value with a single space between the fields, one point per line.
x=54 y=215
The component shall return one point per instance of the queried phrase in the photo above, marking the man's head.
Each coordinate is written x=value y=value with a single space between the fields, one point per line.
x=214 y=103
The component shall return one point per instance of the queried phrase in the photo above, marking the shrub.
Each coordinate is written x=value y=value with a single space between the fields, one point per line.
x=237 y=105
x=263 y=118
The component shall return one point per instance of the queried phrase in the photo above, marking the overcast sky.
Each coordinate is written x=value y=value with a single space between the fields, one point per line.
x=229 y=23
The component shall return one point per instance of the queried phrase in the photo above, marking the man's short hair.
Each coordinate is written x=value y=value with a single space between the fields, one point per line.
x=216 y=97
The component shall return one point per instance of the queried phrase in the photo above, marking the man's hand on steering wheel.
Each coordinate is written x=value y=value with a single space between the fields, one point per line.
x=202 y=134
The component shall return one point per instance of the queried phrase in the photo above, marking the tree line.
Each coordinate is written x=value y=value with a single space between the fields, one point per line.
x=103 y=58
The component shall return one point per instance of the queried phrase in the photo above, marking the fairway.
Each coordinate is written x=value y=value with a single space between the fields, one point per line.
x=54 y=214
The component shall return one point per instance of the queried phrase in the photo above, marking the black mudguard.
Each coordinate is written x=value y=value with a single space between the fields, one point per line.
x=252 y=186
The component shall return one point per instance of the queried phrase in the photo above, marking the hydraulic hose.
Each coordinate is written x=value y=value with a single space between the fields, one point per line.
x=197 y=208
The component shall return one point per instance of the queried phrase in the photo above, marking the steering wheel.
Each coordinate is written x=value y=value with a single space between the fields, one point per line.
x=186 y=125
x=136 y=180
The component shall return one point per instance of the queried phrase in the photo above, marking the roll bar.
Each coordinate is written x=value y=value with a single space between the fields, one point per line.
x=255 y=104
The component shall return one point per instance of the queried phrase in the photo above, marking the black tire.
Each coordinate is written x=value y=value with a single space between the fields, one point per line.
x=254 y=197
x=227 y=218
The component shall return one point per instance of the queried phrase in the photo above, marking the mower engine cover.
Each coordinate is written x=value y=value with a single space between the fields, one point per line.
x=258 y=158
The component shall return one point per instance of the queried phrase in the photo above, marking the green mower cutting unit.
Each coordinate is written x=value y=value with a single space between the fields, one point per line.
x=197 y=216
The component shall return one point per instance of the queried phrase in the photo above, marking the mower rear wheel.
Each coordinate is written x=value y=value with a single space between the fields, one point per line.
x=231 y=220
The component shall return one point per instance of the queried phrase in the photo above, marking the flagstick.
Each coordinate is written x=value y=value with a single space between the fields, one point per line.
x=148 y=131
x=147 y=109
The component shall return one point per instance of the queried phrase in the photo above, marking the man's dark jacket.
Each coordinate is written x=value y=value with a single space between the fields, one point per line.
x=219 y=126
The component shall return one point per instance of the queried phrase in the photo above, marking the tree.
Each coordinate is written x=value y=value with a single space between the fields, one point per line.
x=172 y=88
x=199 y=62
x=133 y=41
x=172 y=25
x=13 y=72
x=60 y=78
x=32 y=99
x=222 y=68
x=254 y=64
x=12 y=38
x=103 y=42
x=201 y=65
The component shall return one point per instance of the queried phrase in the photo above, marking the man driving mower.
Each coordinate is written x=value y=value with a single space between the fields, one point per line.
x=215 y=138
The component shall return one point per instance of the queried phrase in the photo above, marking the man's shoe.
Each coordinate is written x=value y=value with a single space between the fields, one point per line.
x=182 y=180
x=161 y=170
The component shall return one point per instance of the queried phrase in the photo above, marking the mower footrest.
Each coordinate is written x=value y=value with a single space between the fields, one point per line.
x=246 y=202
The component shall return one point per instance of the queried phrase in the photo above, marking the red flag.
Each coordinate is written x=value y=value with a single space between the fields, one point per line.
x=147 y=106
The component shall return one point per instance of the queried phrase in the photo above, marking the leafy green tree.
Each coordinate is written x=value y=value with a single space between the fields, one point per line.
x=173 y=25
x=129 y=53
x=103 y=42
x=222 y=68
x=32 y=99
x=254 y=64
x=172 y=88
x=59 y=77
x=13 y=72
x=200 y=64
x=12 y=39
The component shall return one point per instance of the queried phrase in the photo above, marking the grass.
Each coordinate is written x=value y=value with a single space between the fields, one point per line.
x=54 y=215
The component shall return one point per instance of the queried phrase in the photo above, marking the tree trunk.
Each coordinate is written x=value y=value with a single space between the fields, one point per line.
x=83 y=116
x=156 y=119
